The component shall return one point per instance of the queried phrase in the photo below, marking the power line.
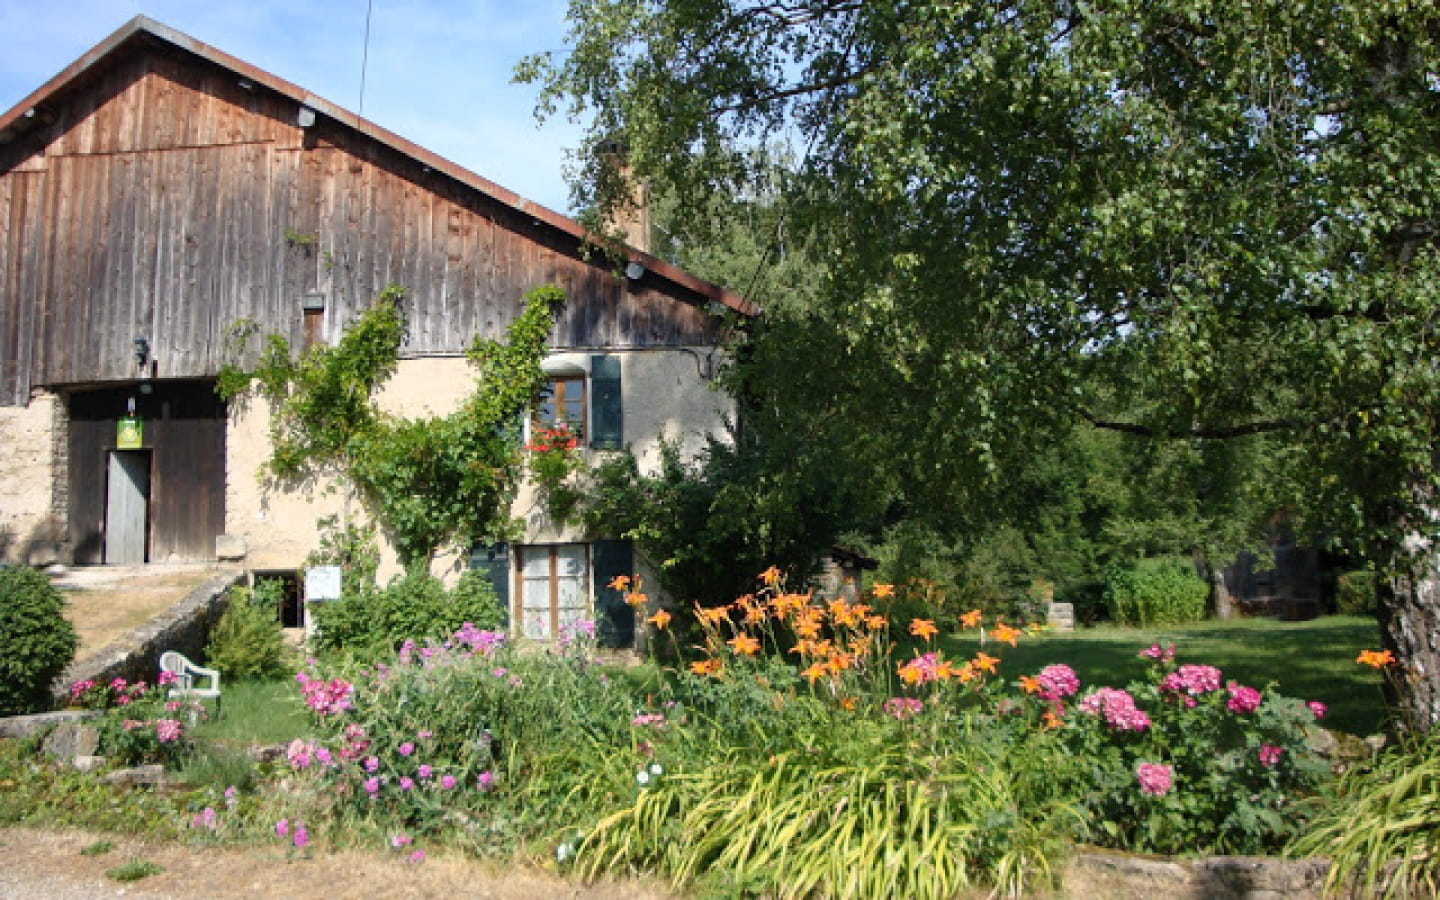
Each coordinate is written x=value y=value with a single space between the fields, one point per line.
x=365 y=55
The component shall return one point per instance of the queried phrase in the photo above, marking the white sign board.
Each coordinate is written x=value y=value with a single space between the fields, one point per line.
x=322 y=583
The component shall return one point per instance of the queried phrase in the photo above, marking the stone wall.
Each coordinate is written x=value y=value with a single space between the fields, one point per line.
x=30 y=532
x=184 y=627
x=1105 y=873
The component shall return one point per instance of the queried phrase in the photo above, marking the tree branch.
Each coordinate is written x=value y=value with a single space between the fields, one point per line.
x=1234 y=431
x=755 y=100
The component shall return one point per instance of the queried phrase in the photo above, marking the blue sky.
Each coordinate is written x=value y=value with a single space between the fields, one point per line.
x=438 y=72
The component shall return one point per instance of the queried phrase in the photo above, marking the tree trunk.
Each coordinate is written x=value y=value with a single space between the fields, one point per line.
x=1409 y=613
x=1220 y=595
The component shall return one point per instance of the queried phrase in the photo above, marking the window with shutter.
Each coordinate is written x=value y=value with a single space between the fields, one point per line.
x=494 y=560
x=607 y=415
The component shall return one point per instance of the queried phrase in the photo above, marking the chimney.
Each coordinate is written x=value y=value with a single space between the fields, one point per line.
x=632 y=219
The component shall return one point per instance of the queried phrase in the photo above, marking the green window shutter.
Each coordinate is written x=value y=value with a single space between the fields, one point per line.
x=494 y=560
x=607 y=412
x=614 y=618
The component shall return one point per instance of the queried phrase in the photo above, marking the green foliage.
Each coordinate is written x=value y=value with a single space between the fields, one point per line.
x=1144 y=221
x=1355 y=593
x=1380 y=828
x=39 y=641
x=98 y=848
x=248 y=642
x=426 y=481
x=134 y=870
x=139 y=724
x=413 y=607
x=1158 y=591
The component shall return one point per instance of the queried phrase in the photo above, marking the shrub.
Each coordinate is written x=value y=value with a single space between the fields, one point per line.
x=1355 y=593
x=38 y=641
x=1161 y=590
x=413 y=607
x=248 y=642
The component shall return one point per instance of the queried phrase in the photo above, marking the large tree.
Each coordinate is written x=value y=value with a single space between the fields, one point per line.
x=1179 y=219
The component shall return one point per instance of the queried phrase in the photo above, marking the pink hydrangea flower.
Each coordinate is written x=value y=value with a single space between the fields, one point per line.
x=1058 y=681
x=1155 y=779
x=1192 y=680
x=1270 y=755
x=1117 y=707
x=1155 y=652
x=1243 y=700
x=1317 y=708
x=168 y=731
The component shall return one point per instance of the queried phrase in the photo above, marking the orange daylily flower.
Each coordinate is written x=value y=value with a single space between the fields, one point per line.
x=971 y=619
x=839 y=662
x=965 y=674
x=816 y=671
x=1005 y=634
x=770 y=576
x=923 y=628
x=713 y=615
x=636 y=599
x=1376 y=659
x=808 y=624
x=1051 y=720
x=660 y=619
x=986 y=663
x=705 y=666
x=849 y=703
x=911 y=673
x=754 y=614
x=875 y=623
x=1029 y=684
x=620 y=583
x=744 y=644
x=881 y=591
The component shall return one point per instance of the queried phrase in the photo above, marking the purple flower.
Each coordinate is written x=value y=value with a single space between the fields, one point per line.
x=407 y=748
x=484 y=780
x=447 y=782
x=903 y=707
x=1155 y=779
x=1243 y=700
x=406 y=783
x=372 y=786
x=1270 y=755
x=400 y=840
x=418 y=856
x=204 y=819
x=302 y=836
x=300 y=754
x=1317 y=708
x=371 y=763
x=282 y=828
x=424 y=772
x=424 y=734
x=648 y=719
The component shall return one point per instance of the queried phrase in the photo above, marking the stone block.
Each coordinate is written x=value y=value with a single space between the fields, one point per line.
x=72 y=739
x=230 y=547
x=1061 y=616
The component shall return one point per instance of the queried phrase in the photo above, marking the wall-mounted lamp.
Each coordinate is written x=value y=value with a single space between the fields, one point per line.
x=634 y=271
x=142 y=351
x=305 y=118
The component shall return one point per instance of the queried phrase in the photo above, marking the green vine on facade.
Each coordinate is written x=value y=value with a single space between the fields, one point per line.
x=428 y=482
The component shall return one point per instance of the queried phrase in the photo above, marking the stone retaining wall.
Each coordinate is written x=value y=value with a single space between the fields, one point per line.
x=1114 y=874
x=184 y=627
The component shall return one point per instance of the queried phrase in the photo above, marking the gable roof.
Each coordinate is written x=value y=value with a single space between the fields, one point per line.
x=31 y=112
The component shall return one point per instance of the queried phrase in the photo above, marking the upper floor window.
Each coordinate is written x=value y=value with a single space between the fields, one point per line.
x=587 y=400
x=562 y=402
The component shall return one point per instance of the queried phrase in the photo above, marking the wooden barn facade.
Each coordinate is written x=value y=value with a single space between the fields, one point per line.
x=158 y=192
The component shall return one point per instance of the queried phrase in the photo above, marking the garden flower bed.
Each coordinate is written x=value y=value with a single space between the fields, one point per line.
x=809 y=748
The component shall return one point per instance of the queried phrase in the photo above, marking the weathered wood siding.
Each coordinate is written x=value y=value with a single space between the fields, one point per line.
x=167 y=200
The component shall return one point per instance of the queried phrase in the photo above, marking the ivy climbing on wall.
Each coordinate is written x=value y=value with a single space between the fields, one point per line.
x=428 y=482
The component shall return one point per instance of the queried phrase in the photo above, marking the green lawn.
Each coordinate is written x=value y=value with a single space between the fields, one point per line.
x=1312 y=660
x=258 y=712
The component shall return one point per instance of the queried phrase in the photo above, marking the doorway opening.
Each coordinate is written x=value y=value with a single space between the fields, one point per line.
x=127 y=507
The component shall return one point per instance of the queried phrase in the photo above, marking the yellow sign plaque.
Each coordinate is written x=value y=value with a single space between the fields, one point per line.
x=130 y=434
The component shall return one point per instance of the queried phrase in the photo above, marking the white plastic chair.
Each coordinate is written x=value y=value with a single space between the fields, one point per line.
x=185 y=672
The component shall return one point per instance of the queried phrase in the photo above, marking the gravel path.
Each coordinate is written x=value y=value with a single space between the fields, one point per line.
x=48 y=865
